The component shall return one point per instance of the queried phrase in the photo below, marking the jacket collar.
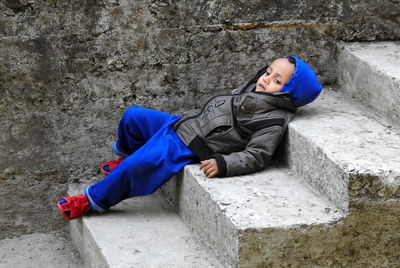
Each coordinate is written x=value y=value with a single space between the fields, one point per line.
x=281 y=100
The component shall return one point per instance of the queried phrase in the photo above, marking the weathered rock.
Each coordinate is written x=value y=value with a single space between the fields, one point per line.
x=68 y=69
x=364 y=239
x=343 y=151
x=233 y=215
x=370 y=73
x=141 y=232
x=36 y=250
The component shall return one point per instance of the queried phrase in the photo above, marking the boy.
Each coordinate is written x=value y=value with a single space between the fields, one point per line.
x=233 y=134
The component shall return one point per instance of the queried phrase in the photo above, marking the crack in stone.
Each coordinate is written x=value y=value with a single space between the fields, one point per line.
x=246 y=26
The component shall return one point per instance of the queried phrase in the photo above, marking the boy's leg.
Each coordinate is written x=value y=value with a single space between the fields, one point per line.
x=142 y=172
x=137 y=126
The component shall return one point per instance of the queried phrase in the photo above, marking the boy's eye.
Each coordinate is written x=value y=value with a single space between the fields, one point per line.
x=277 y=81
x=267 y=73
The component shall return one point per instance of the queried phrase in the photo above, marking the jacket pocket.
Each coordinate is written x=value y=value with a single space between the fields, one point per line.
x=225 y=139
x=209 y=124
x=218 y=131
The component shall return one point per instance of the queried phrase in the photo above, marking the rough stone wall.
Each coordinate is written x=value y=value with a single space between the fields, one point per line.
x=68 y=69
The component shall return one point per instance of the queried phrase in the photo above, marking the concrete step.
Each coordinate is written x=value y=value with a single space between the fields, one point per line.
x=343 y=151
x=142 y=232
x=370 y=73
x=250 y=220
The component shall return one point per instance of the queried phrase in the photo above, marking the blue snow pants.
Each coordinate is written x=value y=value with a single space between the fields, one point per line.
x=153 y=151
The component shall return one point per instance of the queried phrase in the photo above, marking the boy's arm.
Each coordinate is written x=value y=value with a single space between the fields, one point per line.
x=255 y=157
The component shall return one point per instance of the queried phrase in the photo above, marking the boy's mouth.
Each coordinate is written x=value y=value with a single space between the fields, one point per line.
x=262 y=87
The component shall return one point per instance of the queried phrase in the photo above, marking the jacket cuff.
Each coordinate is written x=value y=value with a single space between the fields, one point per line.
x=221 y=165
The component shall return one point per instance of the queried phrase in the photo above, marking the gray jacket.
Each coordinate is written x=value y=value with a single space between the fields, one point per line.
x=240 y=130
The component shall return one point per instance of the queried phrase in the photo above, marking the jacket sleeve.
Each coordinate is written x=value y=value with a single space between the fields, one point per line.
x=256 y=155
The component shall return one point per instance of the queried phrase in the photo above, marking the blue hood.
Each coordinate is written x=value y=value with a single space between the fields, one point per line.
x=303 y=85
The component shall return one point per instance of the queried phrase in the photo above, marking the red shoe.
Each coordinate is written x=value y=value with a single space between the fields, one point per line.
x=109 y=166
x=73 y=207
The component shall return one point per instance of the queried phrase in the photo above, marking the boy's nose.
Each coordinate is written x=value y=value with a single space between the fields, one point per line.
x=266 y=79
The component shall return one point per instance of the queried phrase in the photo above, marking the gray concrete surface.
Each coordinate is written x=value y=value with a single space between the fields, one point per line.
x=68 y=69
x=276 y=220
x=343 y=151
x=141 y=232
x=39 y=250
x=222 y=211
x=370 y=73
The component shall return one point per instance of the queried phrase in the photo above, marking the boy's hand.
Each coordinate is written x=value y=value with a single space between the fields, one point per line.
x=209 y=167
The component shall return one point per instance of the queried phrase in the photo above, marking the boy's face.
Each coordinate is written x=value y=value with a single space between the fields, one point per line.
x=277 y=74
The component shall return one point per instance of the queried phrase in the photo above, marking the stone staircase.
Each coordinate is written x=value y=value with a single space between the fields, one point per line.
x=332 y=202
